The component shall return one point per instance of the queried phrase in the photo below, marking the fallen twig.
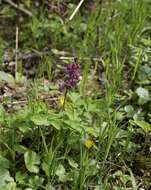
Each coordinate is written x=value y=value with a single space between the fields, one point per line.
x=83 y=58
x=76 y=10
x=16 y=52
x=11 y=3
x=60 y=54
x=24 y=102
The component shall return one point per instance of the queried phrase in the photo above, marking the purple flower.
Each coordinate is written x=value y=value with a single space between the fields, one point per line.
x=71 y=77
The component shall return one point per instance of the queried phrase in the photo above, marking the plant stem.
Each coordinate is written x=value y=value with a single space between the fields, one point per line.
x=65 y=97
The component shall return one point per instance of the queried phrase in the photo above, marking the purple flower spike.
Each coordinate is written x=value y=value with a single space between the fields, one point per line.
x=71 y=77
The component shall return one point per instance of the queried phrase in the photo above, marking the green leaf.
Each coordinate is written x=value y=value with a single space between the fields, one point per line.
x=32 y=160
x=143 y=95
x=72 y=114
x=134 y=184
x=36 y=181
x=20 y=78
x=10 y=186
x=55 y=124
x=45 y=120
x=129 y=110
x=5 y=177
x=91 y=131
x=60 y=172
x=47 y=164
x=72 y=163
x=4 y=163
x=25 y=127
x=20 y=148
x=73 y=125
x=20 y=177
x=40 y=120
x=49 y=187
x=7 y=78
x=143 y=124
x=142 y=92
x=144 y=72
x=75 y=97
x=97 y=188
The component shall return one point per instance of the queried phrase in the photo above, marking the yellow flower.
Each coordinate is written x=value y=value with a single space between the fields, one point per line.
x=88 y=143
x=61 y=101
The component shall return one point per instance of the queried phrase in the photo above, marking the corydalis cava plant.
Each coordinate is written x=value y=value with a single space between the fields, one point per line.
x=71 y=77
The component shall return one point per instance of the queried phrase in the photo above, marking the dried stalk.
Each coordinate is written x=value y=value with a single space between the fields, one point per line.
x=76 y=10
x=16 y=51
x=25 y=11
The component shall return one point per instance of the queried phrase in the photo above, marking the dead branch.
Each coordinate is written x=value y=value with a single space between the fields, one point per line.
x=25 y=11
